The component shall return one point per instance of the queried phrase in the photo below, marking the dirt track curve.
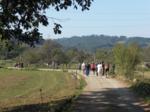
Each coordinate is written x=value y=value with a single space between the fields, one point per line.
x=107 y=95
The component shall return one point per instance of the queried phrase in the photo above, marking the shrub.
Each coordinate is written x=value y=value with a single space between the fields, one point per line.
x=142 y=88
x=126 y=59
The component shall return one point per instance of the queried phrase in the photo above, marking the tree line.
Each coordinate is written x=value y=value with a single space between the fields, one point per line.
x=125 y=57
x=48 y=53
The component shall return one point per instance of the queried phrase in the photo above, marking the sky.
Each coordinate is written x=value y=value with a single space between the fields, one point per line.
x=109 y=17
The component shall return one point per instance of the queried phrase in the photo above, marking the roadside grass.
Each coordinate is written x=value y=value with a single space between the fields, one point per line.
x=142 y=89
x=146 y=69
x=141 y=85
x=29 y=87
x=147 y=74
x=144 y=74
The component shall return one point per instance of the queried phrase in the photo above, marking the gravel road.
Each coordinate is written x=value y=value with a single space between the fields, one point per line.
x=107 y=95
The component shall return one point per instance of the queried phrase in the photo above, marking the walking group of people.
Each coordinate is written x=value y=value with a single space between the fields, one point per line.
x=99 y=69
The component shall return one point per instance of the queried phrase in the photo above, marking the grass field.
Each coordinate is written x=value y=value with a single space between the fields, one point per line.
x=22 y=87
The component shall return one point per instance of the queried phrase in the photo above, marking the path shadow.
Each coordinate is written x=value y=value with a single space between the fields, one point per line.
x=108 y=100
x=55 y=106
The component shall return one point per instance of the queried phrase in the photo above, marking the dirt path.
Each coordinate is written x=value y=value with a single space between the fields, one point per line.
x=106 y=95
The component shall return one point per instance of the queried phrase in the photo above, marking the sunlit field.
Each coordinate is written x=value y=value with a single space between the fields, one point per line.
x=22 y=87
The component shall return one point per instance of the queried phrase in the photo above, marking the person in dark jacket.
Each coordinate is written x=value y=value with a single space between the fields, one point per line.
x=87 y=69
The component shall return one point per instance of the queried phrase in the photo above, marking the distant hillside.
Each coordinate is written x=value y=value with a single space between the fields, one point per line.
x=93 y=42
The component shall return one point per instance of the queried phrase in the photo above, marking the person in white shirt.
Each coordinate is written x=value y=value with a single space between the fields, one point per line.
x=99 y=69
x=83 y=67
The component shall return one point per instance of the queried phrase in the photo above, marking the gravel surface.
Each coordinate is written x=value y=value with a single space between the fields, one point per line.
x=107 y=95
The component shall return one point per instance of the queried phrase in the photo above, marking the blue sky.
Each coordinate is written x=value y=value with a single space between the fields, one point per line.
x=109 y=17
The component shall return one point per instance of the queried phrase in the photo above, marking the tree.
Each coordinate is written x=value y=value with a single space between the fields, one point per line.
x=59 y=56
x=104 y=55
x=72 y=54
x=50 y=53
x=8 y=49
x=46 y=50
x=20 y=19
x=30 y=56
x=126 y=58
x=82 y=56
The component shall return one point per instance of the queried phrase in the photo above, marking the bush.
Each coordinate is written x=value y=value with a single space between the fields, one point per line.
x=142 y=88
x=126 y=59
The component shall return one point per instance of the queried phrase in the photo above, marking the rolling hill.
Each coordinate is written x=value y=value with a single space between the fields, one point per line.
x=93 y=42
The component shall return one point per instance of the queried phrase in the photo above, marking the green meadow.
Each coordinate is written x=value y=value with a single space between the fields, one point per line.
x=25 y=87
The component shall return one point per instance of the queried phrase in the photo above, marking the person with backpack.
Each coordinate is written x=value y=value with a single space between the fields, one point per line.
x=93 y=68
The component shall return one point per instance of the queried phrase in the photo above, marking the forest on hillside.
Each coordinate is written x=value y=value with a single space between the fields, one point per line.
x=93 y=42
